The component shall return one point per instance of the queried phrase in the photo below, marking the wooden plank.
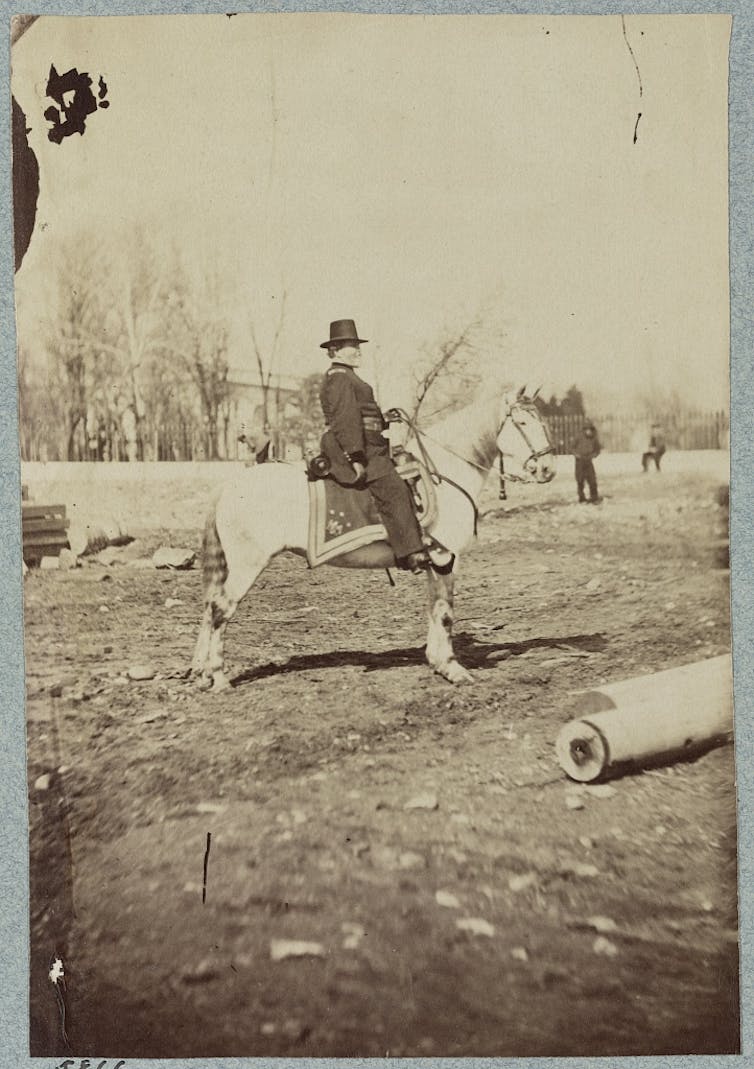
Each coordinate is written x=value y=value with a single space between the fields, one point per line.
x=50 y=539
x=31 y=511
x=45 y=523
x=52 y=524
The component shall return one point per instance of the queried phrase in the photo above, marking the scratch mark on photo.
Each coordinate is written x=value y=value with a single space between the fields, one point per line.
x=206 y=863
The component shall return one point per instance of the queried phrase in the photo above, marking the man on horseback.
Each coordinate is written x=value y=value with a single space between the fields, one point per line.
x=358 y=452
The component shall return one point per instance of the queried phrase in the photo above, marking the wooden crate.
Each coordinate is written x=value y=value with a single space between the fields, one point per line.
x=44 y=530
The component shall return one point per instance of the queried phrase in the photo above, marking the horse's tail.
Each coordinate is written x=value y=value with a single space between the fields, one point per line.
x=214 y=564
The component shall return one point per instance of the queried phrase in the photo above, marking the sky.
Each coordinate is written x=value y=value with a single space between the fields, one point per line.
x=414 y=173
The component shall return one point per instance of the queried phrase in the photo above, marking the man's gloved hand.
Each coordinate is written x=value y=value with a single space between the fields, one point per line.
x=361 y=471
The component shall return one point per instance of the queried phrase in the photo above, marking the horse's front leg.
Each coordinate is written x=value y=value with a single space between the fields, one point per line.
x=440 y=653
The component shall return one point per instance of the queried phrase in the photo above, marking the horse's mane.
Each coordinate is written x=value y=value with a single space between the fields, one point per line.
x=472 y=431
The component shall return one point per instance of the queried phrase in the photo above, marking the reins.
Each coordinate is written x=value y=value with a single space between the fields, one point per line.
x=437 y=476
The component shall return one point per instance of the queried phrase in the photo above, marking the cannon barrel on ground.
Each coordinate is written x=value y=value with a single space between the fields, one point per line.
x=647 y=719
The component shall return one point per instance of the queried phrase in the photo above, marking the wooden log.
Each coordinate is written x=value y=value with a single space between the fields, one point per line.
x=85 y=539
x=650 y=718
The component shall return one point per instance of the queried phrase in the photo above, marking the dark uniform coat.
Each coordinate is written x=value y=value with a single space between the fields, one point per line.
x=355 y=423
x=585 y=449
x=354 y=435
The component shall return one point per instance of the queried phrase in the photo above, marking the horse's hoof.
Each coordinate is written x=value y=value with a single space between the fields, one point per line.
x=220 y=681
x=455 y=673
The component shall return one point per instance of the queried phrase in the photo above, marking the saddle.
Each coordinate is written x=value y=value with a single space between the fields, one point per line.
x=343 y=518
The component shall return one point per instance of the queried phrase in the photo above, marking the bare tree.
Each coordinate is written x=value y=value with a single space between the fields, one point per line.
x=199 y=342
x=79 y=358
x=304 y=422
x=449 y=370
x=266 y=357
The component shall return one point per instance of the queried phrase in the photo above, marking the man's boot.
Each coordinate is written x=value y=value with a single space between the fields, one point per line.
x=415 y=562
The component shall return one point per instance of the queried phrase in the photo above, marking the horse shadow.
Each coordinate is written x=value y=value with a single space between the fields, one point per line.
x=472 y=652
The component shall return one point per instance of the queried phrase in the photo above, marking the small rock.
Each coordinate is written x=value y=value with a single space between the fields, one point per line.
x=475 y=925
x=43 y=783
x=520 y=954
x=578 y=868
x=602 y=924
x=354 y=933
x=280 y=949
x=574 y=802
x=67 y=559
x=522 y=883
x=56 y=690
x=168 y=557
x=104 y=608
x=422 y=801
x=203 y=972
x=107 y=649
x=108 y=556
x=170 y=603
x=409 y=860
x=593 y=583
x=601 y=790
x=141 y=672
x=447 y=899
x=49 y=564
x=586 y=842
x=605 y=947
x=209 y=807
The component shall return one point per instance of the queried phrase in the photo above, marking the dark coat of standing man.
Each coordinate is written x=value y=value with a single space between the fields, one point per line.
x=354 y=442
x=585 y=448
x=656 y=450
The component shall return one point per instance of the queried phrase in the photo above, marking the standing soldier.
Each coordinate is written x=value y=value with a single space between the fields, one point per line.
x=357 y=450
x=585 y=449
x=656 y=449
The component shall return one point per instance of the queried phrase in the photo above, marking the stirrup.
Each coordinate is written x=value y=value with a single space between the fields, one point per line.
x=416 y=562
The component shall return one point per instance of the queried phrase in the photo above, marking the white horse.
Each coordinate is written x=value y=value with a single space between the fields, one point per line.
x=264 y=510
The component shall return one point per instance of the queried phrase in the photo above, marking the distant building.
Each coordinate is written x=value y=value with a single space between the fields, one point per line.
x=246 y=401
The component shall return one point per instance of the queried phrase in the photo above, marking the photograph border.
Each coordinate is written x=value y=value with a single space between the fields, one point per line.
x=14 y=904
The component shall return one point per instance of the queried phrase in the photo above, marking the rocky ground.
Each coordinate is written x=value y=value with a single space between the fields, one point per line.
x=343 y=855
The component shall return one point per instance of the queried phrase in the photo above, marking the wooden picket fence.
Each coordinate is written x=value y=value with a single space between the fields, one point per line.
x=626 y=432
x=618 y=433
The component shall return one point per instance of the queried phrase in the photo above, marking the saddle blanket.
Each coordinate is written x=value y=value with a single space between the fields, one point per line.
x=340 y=519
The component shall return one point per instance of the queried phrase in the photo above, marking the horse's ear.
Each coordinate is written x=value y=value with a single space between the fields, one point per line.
x=521 y=392
x=536 y=393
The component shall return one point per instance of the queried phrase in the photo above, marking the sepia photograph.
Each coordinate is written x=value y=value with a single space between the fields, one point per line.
x=374 y=429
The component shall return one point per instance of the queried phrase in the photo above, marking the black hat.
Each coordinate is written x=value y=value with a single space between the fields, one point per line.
x=342 y=330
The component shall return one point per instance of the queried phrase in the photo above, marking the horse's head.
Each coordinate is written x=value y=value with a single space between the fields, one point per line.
x=524 y=440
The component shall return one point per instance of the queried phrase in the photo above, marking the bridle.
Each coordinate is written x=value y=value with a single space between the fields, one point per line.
x=437 y=476
x=534 y=454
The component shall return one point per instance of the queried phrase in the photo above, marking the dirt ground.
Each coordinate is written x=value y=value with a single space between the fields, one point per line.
x=421 y=838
